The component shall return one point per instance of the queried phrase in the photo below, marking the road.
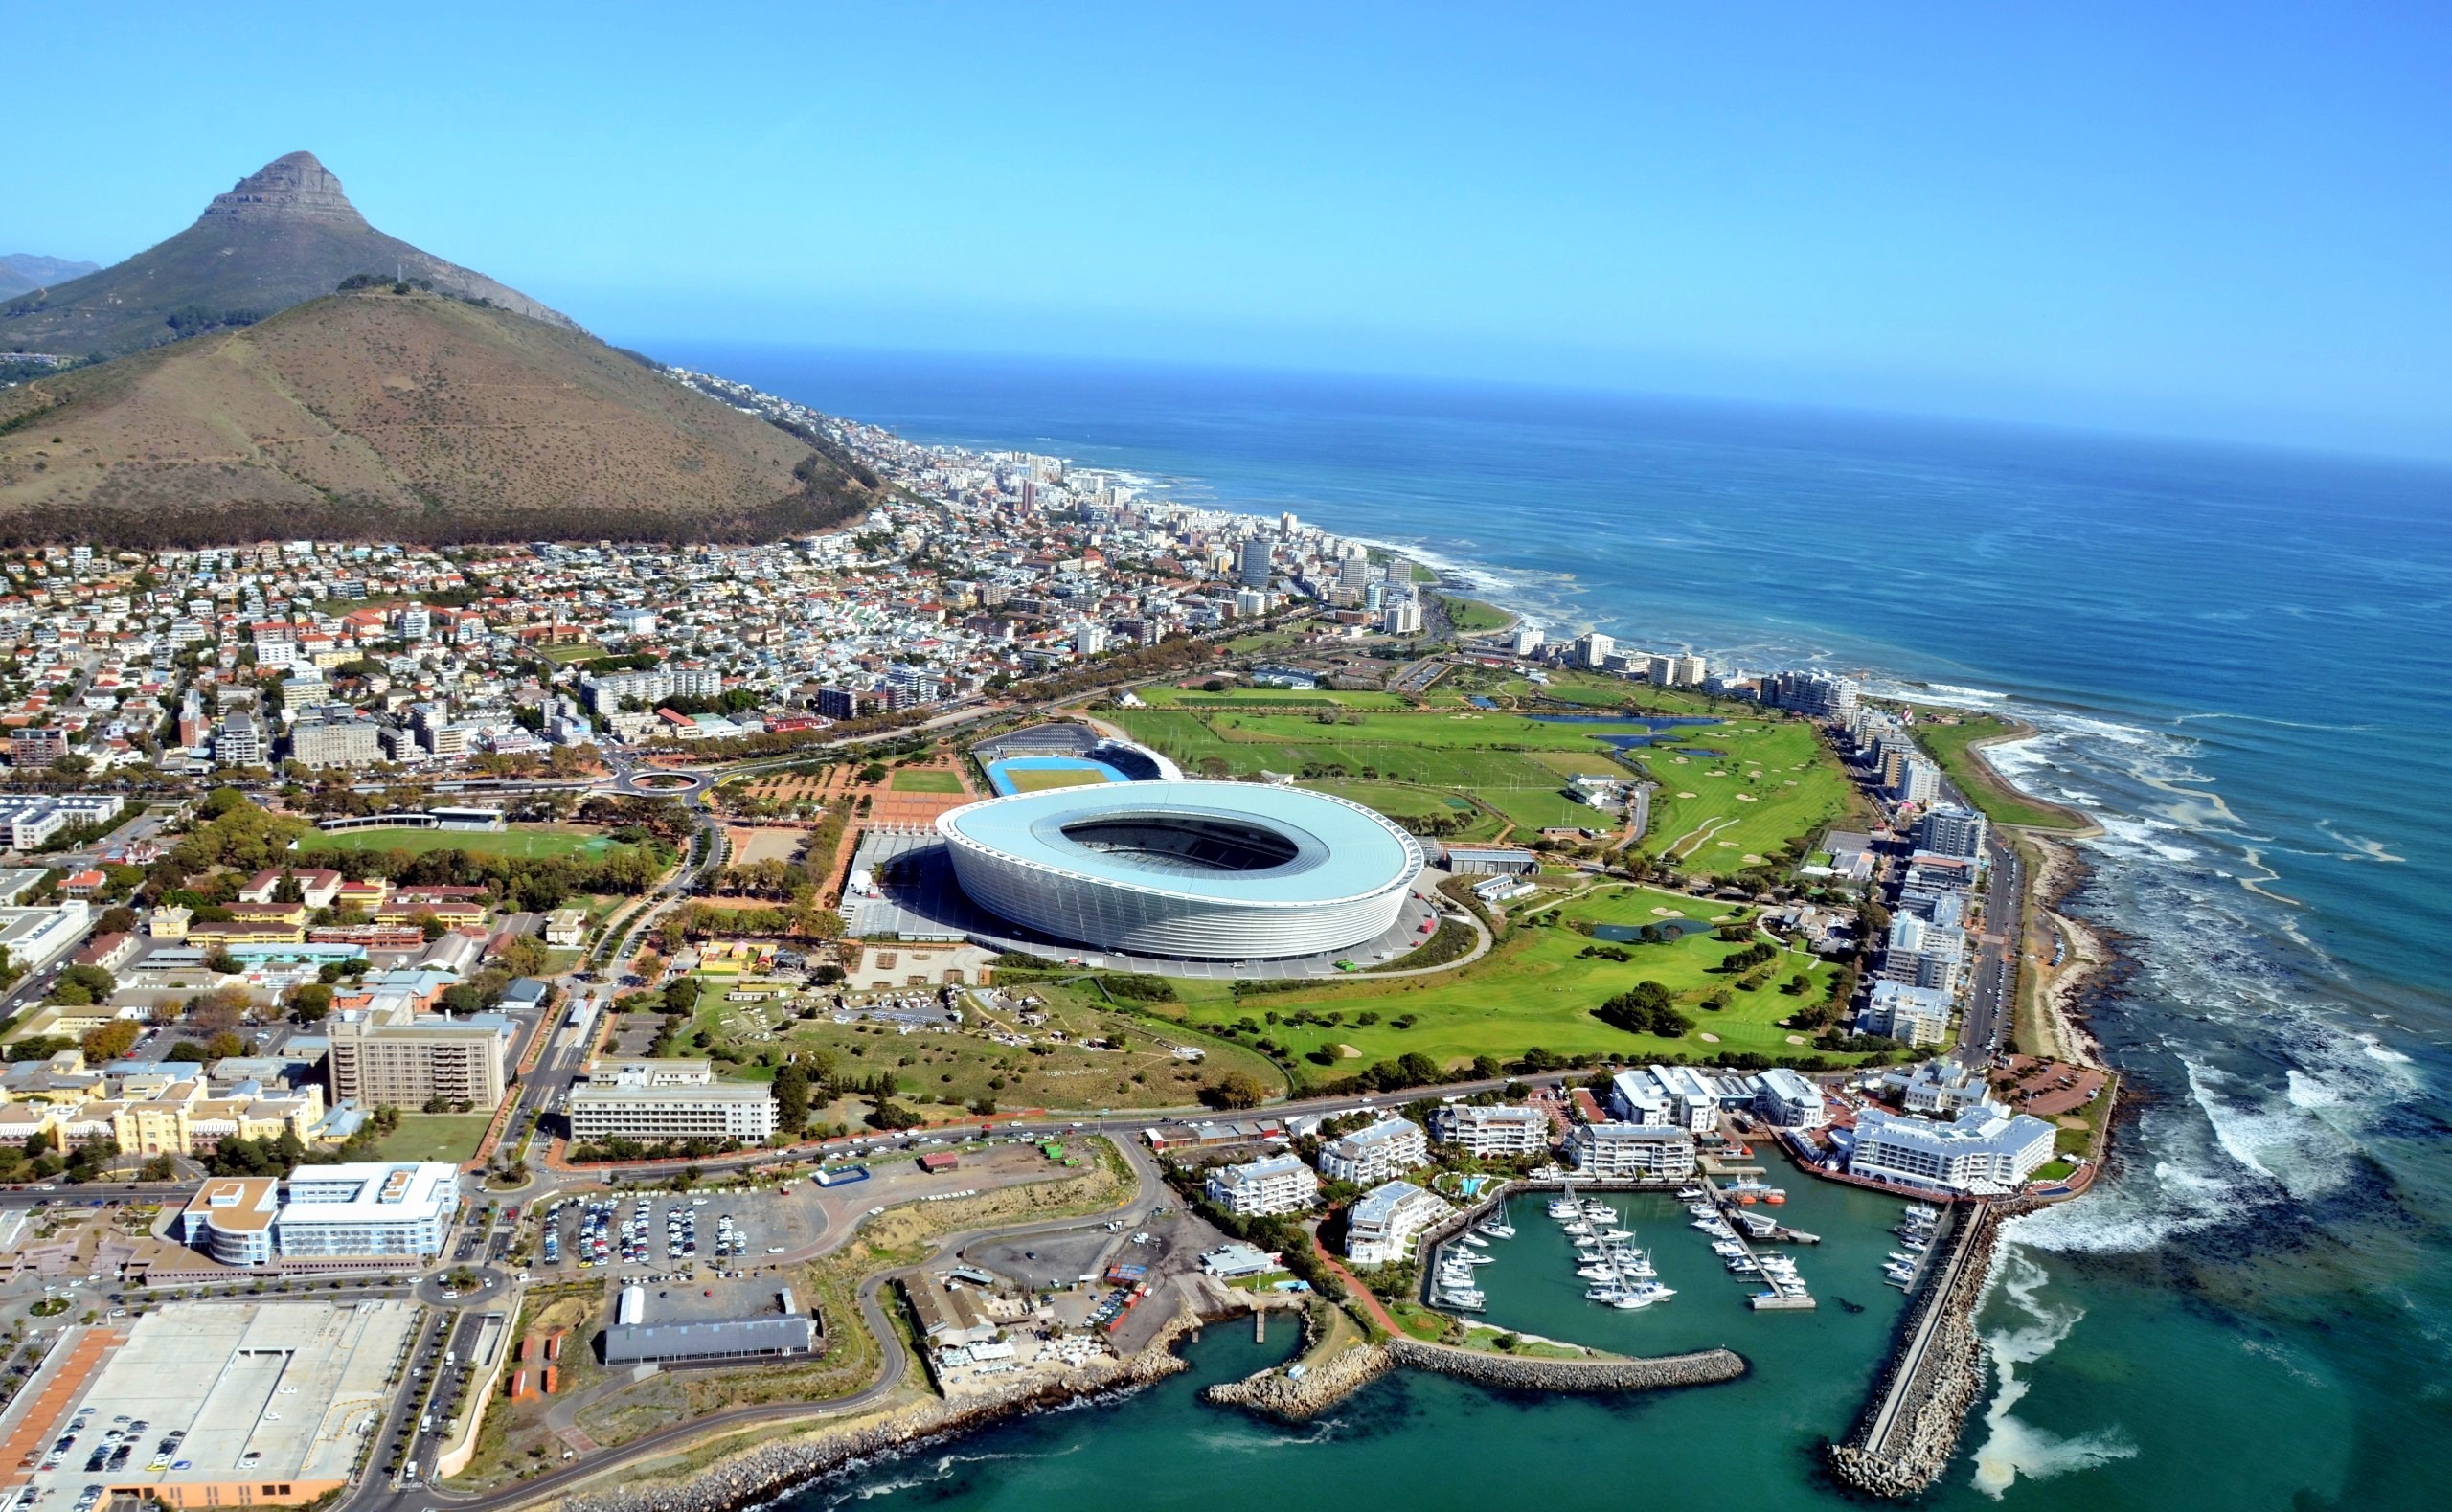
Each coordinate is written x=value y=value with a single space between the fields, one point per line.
x=1992 y=987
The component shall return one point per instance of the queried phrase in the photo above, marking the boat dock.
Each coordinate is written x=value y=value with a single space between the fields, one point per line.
x=1741 y=1223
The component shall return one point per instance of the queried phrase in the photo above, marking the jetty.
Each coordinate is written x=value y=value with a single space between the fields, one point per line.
x=1909 y=1427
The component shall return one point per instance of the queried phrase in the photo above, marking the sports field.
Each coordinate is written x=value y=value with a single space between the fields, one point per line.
x=1539 y=988
x=925 y=779
x=528 y=841
x=1038 y=780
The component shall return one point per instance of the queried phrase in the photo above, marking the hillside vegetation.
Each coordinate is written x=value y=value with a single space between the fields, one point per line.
x=406 y=416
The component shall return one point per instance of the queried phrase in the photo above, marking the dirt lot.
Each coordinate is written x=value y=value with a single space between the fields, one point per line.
x=752 y=844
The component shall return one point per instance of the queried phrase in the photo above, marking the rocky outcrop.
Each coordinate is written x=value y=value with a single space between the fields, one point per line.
x=1321 y=1386
x=1524 y=1373
x=292 y=186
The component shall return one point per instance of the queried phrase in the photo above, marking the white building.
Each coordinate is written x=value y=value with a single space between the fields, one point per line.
x=1256 y=1189
x=1501 y=1128
x=36 y=936
x=1636 y=1098
x=1907 y=1013
x=1949 y=831
x=655 y=1100
x=1631 y=1152
x=372 y=1207
x=1786 y=1100
x=1940 y=1087
x=1985 y=1150
x=1693 y=1102
x=1369 y=1155
x=1380 y=1228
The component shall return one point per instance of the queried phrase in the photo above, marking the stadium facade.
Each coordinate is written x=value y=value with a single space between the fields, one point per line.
x=1193 y=869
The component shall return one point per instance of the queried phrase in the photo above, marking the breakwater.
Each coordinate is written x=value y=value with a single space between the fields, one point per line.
x=759 y=1475
x=1528 y=1373
x=1910 y=1426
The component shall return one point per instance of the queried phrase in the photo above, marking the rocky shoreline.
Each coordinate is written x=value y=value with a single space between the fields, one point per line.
x=768 y=1471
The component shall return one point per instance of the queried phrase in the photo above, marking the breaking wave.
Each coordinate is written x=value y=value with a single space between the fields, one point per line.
x=2013 y=1447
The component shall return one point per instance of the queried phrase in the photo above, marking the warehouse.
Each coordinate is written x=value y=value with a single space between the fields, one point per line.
x=687 y=1343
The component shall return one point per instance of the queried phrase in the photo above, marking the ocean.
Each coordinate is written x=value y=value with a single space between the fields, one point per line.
x=2237 y=662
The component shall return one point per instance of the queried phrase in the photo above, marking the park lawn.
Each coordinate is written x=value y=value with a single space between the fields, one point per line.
x=1040 y=779
x=925 y=779
x=1537 y=989
x=966 y=1066
x=1401 y=802
x=1769 y=782
x=1953 y=747
x=449 y=1137
x=1471 y=616
x=532 y=842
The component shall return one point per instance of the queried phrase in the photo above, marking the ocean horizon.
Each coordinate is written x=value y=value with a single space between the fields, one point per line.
x=2234 y=661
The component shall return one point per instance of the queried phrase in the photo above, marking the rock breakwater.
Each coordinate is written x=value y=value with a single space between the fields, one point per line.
x=1528 y=1373
x=1910 y=1427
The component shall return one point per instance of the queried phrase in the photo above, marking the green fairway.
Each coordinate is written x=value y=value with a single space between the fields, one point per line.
x=1731 y=795
x=448 y=1136
x=1417 y=808
x=1539 y=989
x=925 y=779
x=528 y=841
x=1952 y=745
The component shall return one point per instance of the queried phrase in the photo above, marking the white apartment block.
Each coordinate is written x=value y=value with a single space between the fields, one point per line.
x=1985 y=1150
x=1631 y=1152
x=1369 y=1155
x=1786 y=1100
x=371 y=1207
x=1256 y=1188
x=1380 y=1228
x=1501 y=1128
x=652 y=1112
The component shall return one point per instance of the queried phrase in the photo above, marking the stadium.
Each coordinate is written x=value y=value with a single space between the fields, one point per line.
x=1201 y=870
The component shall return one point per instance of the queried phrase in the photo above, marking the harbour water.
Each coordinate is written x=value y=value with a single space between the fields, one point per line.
x=2237 y=663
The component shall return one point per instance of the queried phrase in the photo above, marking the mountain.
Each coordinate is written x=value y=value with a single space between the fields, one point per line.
x=282 y=236
x=400 y=415
x=23 y=272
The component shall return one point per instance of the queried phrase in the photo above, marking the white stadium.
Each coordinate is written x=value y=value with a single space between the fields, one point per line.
x=1201 y=870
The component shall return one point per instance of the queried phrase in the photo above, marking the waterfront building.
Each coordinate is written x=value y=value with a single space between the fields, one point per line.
x=1592 y=650
x=1984 y=1151
x=1949 y=831
x=1634 y=1098
x=1694 y=1100
x=1942 y=1087
x=1501 y=1128
x=1786 y=1100
x=1912 y=780
x=1631 y=1152
x=1256 y=1189
x=1372 y=1155
x=1382 y=1225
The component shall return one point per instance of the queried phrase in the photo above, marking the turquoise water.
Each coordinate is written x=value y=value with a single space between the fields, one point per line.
x=2239 y=662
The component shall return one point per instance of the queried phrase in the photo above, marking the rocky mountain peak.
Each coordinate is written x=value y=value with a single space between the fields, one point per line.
x=294 y=186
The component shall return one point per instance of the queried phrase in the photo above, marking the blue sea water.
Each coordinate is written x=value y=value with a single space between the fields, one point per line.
x=2239 y=663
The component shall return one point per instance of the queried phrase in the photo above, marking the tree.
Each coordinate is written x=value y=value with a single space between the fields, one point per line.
x=110 y=1040
x=1236 y=1089
x=309 y=1002
x=791 y=1100
x=523 y=957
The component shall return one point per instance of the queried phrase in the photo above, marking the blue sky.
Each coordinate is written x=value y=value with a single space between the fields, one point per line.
x=2211 y=220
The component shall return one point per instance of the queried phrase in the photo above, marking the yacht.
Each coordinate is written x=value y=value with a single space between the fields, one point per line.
x=1688 y=1195
x=1739 y=1265
x=1464 y=1299
x=1497 y=1229
x=1476 y=1240
x=1468 y=1257
x=1565 y=1206
x=1577 y=1226
x=1616 y=1235
x=1597 y=1273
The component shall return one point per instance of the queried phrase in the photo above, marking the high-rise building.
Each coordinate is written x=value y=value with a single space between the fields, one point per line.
x=1402 y=617
x=238 y=741
x=335 y=742
x=1949 y=831
x=389 y=1056
x=1254 y=572
x=1089 y=638
x=1593 y=650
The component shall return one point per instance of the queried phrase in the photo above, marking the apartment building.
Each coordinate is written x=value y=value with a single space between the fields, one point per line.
x=656 y=1100
x=1631 y=1152
x=1277 y=1185
x=1503 y=1129
x=1380 y=1228
x=1369 y=1155
x=1985 y=1150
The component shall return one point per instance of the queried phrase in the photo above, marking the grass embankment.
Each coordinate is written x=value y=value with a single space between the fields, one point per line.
x=529 y=841
x=449 y=1137
x=1954 y=740
x=1539 y=987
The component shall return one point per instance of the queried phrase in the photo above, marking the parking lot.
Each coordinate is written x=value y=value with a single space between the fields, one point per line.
x=632 y=1236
